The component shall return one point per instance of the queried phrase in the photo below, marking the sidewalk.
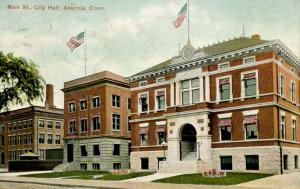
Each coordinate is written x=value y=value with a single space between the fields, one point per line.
x=155 y=176
x=285 y=181
x=16 y=174
x=109 y=184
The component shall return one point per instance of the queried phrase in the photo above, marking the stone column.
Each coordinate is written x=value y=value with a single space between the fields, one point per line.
x=204 y=148
x=177 y=93
x=207 y=88
x=172 y=94
x=201 y=89
x=173 y=149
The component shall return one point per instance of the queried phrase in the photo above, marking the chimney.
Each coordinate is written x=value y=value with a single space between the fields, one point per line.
x=256 y=36
x=49 y=96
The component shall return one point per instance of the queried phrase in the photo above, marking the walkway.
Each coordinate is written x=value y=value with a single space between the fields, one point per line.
x=285 y=181
x=16 y=174
x=155 y=176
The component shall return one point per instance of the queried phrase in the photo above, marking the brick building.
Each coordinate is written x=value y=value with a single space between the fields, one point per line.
x=232 y=106
x=34 y=129
x=97 y=131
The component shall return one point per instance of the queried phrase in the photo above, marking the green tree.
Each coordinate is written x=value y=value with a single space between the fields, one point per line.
x=20 y=81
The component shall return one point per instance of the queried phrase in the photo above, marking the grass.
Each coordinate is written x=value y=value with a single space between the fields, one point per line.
x=89 y=175
x=230 y=179
x=82 y=174
x=125 y=176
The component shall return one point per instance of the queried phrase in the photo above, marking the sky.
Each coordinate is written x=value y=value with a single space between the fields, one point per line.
x=127 y=36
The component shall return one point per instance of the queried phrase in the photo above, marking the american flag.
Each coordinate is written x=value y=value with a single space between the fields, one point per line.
x=76 y=41
x=181 y=16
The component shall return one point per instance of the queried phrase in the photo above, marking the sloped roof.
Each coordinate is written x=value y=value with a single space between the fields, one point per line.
x=215 y=49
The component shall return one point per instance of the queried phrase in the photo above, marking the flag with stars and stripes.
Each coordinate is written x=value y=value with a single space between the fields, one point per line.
x=76 y=41
x=181 y=16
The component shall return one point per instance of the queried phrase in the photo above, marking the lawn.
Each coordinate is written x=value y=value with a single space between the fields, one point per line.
x=89 y=175
x=230 y=179
x=83 y=174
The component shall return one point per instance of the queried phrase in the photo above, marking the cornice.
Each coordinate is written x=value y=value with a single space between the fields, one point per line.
x=275 y=45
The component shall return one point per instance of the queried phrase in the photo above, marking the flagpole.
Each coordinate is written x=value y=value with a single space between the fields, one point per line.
x=85 y=55
x=188 y=10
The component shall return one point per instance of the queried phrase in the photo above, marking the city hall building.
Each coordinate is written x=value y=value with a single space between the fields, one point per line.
x=233 y=106
x=96 y=119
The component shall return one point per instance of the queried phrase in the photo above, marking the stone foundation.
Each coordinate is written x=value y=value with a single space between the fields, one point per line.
x=135 y=159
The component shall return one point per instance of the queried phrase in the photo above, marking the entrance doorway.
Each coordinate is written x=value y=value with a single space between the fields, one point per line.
x=70 y=153
x=188 y=147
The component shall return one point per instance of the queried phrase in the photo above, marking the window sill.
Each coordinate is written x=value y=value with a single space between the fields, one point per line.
x=116 y=130
x=160 y=110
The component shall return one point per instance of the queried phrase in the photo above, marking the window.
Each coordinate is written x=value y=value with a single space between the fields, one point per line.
x=251 y=131
x=41 y=138
x=225 y=129
x=160 y=80
x=83 y=125
x=50 y=125
x=96 y=101
x=96 y=166
x=294 y=130
x=144 y=163
x=30 y=139
x=143 y=83
x=41 y=123
x=50 y=138
x=296 y=161
x=281 y=85
x=116 y=166
x=96 y=123
x=25 y=139
x=282 y=126
x=129 y=124
x=160 y=137
x=115 y=101
x=83 y=151
x=223 y=65
x=129 y=103
x=83 y=105
x=19 y=125
x=226 y=162
x=42 y=154
x=293 y=91
x=72 y=126
x=25 y=124
x=72 y=107
x=250 y=84
x=96 y=150
x=83 y=166
x=224 y=88
x=252 y=162
x=30 y=123
x=144 y=139
x=190 y=92
x=116 y=149
x=14 y=126
x=143 y=102
x=249 y=59
x=160 y=100
x=57 y=125
x=9 y=127
x=19 y=139
x=116 y=122
x=285 y=162
x=57 y=139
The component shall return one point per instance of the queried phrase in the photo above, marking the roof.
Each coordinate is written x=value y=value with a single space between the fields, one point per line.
x=215 y=49
x=29 y=154
x=94 y=77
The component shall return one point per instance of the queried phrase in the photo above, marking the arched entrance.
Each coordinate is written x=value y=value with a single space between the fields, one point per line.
x=188 y=147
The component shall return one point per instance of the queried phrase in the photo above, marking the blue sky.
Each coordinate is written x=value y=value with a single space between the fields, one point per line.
x=128 y=36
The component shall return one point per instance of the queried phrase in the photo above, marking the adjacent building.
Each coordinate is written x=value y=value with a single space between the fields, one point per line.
x=34 y=129
x=96 y=120
x=233 y=106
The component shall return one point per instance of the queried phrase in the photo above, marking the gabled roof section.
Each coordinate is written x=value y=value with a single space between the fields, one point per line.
x=215 y=49
x=231 y=45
